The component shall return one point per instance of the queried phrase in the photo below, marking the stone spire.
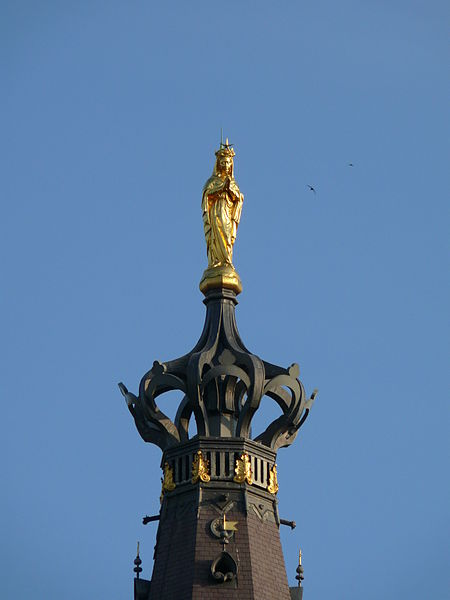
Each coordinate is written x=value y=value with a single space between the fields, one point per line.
x=219 y=521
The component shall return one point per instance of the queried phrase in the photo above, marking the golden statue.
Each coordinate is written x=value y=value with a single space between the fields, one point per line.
x=221 y=209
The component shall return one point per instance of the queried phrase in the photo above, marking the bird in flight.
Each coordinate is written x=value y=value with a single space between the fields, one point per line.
x=311 y=188
x=351 y=165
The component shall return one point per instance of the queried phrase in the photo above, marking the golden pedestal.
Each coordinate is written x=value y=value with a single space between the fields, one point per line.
x=221 y=277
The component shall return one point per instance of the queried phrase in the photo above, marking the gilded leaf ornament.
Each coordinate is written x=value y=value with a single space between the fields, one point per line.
x=167 y=482
x=243 y=470
x=273 y=480
x=200 y=468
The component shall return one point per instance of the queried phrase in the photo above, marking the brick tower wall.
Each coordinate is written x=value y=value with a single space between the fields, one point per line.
x=186 y=547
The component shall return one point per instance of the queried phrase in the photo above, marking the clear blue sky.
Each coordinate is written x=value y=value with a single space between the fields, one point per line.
x=111 y=112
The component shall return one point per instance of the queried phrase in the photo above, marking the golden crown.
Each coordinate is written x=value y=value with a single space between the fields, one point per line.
x=225 y=149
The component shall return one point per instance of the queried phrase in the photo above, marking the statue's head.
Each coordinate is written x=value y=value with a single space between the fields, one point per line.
x=224 y=161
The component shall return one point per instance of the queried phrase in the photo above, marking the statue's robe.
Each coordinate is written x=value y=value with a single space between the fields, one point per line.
x=221 y=213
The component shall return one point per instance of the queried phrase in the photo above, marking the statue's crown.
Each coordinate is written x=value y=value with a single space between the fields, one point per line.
x=225 y=149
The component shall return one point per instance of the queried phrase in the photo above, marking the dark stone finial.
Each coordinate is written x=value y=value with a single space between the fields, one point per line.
x=137 y=561
x=300 y=577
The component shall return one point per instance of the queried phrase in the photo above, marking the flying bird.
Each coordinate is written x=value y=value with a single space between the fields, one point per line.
x=351 y=165
x=311 y=188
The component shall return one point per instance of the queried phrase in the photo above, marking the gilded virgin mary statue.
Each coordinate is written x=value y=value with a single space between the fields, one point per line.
x=221 y=209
